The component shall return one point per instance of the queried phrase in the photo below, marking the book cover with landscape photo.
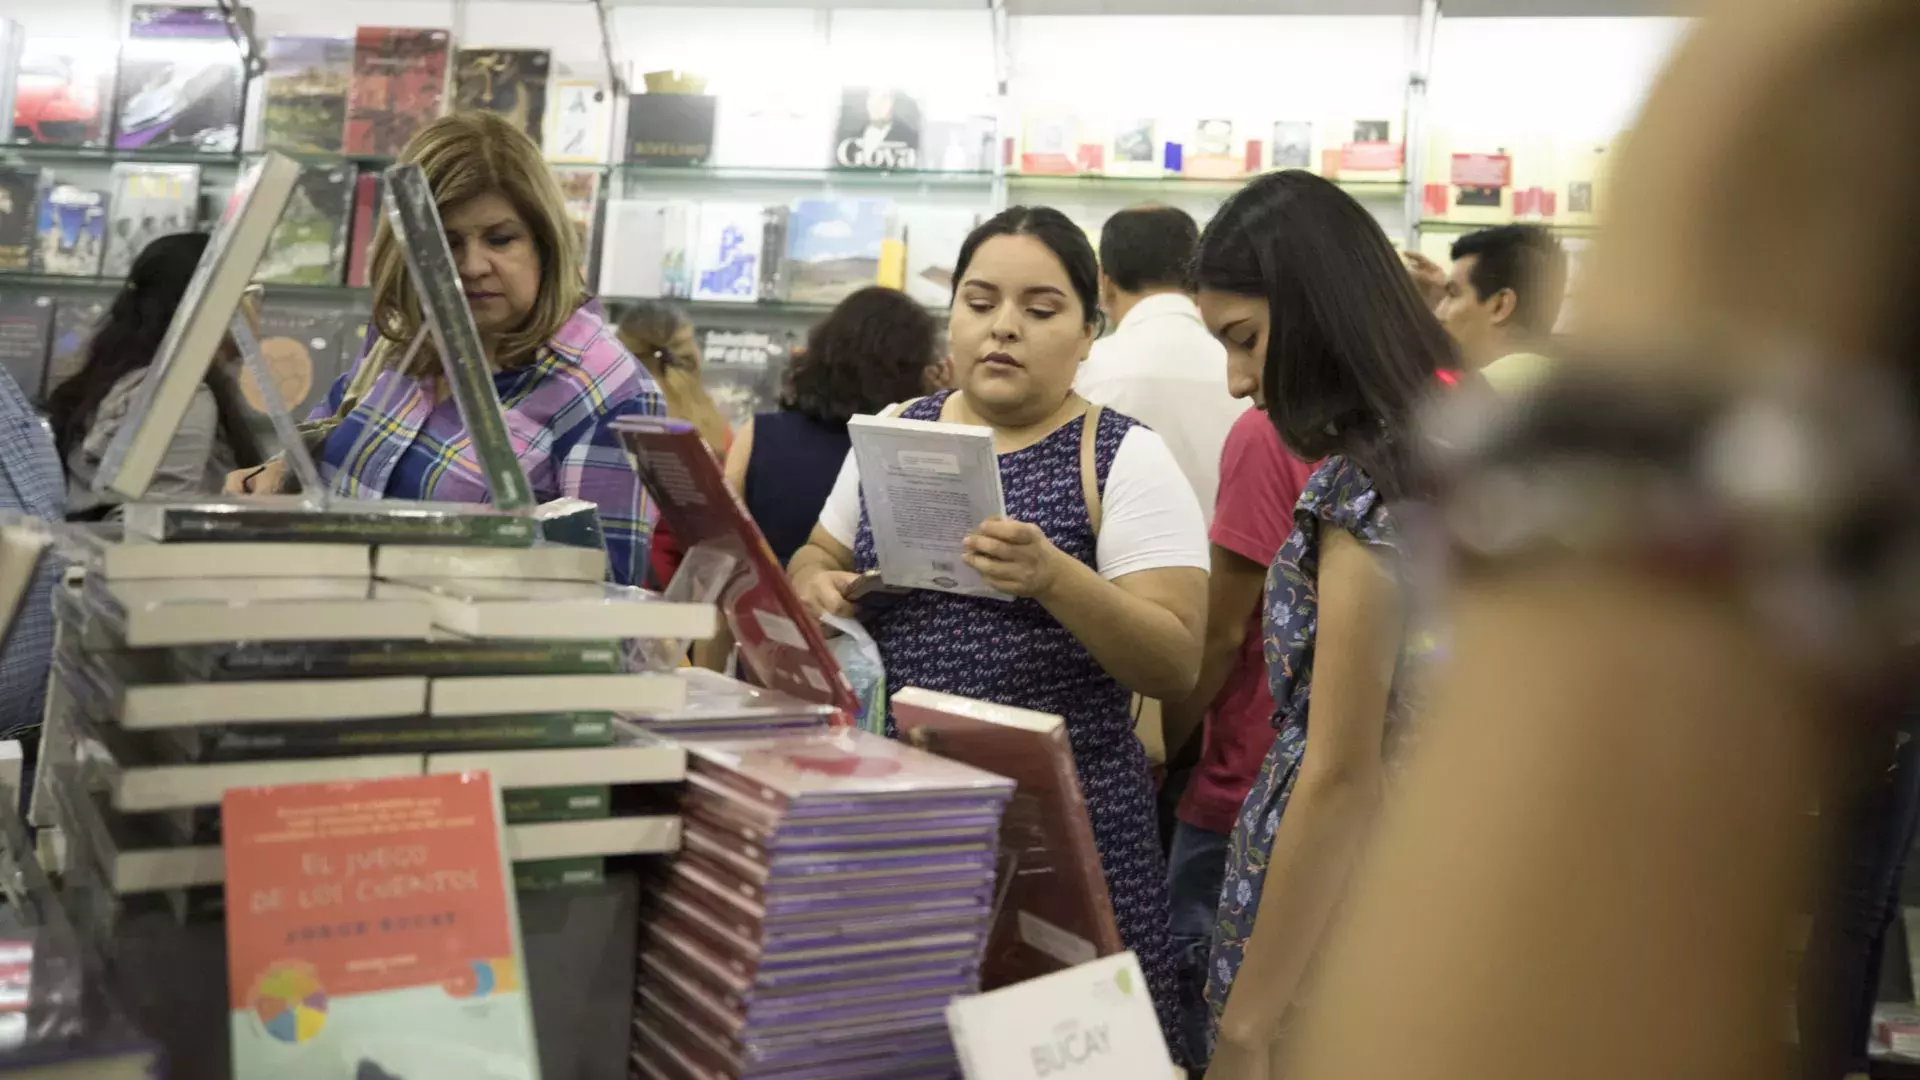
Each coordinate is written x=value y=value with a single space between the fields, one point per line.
x=510 y=83
x=149 y=201
x=833 y=247
x=372 y=933
x=399 y=86
x=181 y=81
x=309 y=246
x=307 y=79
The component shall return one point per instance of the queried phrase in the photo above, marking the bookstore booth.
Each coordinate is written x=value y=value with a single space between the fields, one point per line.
x=332 y=783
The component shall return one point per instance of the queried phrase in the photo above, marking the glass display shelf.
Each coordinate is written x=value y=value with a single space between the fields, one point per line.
x=18 y=280
x=1446 y=226
x=1175 y=183
x=788 y=308
x=778 y=175
x=38 y=154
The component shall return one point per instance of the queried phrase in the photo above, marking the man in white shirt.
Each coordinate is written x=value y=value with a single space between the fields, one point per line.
x=1160 y=366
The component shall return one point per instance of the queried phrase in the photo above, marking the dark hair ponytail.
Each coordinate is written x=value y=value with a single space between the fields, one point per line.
x=1067 y=241
x=1351 y=350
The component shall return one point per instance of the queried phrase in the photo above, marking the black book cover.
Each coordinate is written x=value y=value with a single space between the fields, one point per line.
x=669 y=129
x=26 y=333
x=19 y=217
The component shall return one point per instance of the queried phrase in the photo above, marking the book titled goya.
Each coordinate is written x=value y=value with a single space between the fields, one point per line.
x=372 y=932
x=669 y=129
x=307 y=80
x=399 y=86
x=181 y=81
x=879 y=129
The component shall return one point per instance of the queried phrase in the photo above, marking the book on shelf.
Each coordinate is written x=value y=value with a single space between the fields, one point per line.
x=927 y=486
x=577 y=129
x=933 y=238
x=287 y=519
x=20 y=192
x=306 y=93
x=1135 y=147
x=495 y=607
x=727 y=250
x=1052 y=143
x=510 y=83
x=581 y=189
x=59 y=93
x=547 y=562
x=633 y=248
x=198 y=327
x=186 y=611
x=834 y=247
x=483 y=695
x=1481 y=186
x=879 y=128
x=779 y=642
x=182 y=81
x=1374 y=150
x=148 y=202
x=958 y=144
x=415 y=219
x=26 y=331
x=743 y=371
x=1056 y=912
x=772 y=132
x=1096 y=1019
x=1211 y=152
x=398 y=87
x=73 y=231
x=669 y=129
x=433 y=887
x=368 y=190
x=1292 y=146
x=309 y=246
x=74 y=323
x=109 y=557
x=302 y=347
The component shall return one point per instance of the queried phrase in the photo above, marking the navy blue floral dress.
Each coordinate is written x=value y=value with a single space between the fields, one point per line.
x=1339 y=495
x=1014 y=653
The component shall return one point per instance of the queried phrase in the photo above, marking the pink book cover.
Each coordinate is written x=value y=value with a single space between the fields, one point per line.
x=835 y=765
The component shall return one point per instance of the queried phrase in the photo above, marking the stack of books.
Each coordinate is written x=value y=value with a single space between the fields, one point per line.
x=720 y=707
x=833 y=893
x=416 y=640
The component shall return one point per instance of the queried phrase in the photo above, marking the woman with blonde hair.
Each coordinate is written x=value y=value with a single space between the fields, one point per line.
x=1684 y=609
x=560 y=370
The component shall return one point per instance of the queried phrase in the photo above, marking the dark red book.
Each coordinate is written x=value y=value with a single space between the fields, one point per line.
x=780 y=643
x=366 y=218
x=399 y=86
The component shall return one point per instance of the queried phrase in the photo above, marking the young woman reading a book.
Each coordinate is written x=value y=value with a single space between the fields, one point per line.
x=1107 y=594
x=87 y=410
x=1324 y=328
x=560 y=370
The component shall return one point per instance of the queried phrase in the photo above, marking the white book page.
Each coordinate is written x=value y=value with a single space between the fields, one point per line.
x=927 y=486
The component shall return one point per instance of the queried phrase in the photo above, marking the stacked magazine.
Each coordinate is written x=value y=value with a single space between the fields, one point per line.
x=833 y=893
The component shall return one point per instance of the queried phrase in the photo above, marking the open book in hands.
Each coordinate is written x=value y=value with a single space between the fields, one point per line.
x=927 y=486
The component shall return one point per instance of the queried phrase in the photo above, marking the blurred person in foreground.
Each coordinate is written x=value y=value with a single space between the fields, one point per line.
x=1593 y=867
x=1500 y=300
x=31 y=485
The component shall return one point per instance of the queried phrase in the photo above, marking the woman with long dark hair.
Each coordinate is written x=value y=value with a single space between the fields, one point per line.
x=88 y=409
x=1324 y=329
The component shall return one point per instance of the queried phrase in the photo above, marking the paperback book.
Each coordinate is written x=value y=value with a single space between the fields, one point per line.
x=927 y=486
x=301 y=348
x=309 y=246
x=726 y=257
x=669 y=129
x=181 y=81
x=26 y=331
x=933 y=237
x=306 y=95
x=419 y=970
x=510 y=83
x=577 y=130
x=1136 y=147
x=879 y=129
x=60 y=96
x=773 y=132
x=398 y=87
x=498 y=607
x=1292 y=144
x=149 y=201
x=19 y=216
x=73 y=231
x=833 y=247
x=1212 y=153
x=165 y=613
x=959 y=145
x=1051 y=144
x=1096 y=1019
x=744 y=370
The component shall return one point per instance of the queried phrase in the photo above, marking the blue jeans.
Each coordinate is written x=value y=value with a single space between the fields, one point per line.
x=1196 y=868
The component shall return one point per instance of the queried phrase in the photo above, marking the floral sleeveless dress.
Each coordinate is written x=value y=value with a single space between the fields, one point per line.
x=1339 y=495
x=1014 y=653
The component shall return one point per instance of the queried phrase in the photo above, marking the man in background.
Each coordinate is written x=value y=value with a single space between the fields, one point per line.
x=1500 y=300
x=1160 y=366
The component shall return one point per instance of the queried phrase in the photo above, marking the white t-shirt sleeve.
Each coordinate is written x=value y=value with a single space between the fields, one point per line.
x=1150 y=518
x=840 y=515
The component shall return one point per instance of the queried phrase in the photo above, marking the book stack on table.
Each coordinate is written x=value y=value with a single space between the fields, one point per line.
x=226 y=645
x=833 y=893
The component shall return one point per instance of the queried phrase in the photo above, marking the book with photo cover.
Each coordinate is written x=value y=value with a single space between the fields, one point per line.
x=744 y=371
x=510 y=83
x=398 y=87
x=63 y=92
x=182 y=81
x=301 y=347
x=148 y=202
x=964 y=144
x=1212 y=153
x=432 y=891
x=306 y=95
x=309 y=246
x=73 y=231
x=727 y=250
x=779 y=642
x=933 y=237
x=20 y=191
x=198 y=327
x=1057 y=912
x=26 y=332
x=879 y=129
x=669 y=129
x=577 y=130
x=834 y=247
x=415 y=219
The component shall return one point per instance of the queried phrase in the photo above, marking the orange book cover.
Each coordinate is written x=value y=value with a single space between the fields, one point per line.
x=372 y=932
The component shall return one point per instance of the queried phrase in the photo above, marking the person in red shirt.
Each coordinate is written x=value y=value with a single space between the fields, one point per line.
x=1231 y=707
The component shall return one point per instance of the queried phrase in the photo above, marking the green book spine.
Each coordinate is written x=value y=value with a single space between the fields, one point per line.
x=587 y=802
x=248 y=742
x=227 y=524
x=367 y=659
x=547 y=875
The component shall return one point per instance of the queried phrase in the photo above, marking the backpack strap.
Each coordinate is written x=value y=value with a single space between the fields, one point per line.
x=1089 y=468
